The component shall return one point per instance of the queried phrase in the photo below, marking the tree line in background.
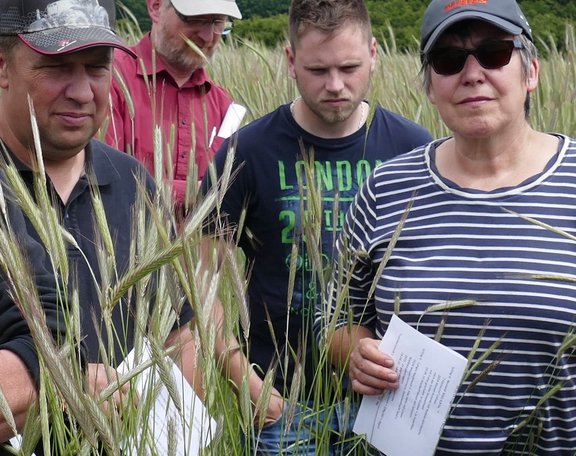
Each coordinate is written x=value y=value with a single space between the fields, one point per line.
x=265 y=21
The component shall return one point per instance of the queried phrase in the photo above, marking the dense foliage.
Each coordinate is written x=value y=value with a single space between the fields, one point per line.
x=265 y=20
x=263 y=8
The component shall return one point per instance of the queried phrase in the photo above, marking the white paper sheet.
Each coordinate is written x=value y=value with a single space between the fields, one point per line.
x=232 y=120
x=191 y=430
x=16 y=443
x=409 y=421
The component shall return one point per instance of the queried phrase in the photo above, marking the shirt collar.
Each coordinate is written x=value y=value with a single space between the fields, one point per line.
x=96 y=163
x=99 y=165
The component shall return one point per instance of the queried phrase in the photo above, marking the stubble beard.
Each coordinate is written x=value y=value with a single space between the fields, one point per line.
x=332 y=117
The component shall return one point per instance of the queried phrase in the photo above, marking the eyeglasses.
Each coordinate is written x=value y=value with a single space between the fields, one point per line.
x=490 y=55
x=217 y=26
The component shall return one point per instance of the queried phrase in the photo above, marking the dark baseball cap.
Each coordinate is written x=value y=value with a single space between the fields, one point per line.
x=441 y=14
x=54 y=27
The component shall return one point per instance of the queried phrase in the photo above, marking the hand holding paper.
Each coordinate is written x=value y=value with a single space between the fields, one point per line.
x=371 y=371
x=409 y=421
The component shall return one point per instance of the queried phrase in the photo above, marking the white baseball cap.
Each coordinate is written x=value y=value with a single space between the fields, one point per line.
x=201 y=7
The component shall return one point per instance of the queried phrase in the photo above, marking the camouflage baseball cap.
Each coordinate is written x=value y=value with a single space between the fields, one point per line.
x=61 y=26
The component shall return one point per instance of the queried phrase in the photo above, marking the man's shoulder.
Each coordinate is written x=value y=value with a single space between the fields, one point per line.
x=253 y=143
x=392 y=116
x=119 y=172
x=111 y=152
x=216 y=91
x=398 y=123
x=102 y=152
x=262 y=125
x=256 y=134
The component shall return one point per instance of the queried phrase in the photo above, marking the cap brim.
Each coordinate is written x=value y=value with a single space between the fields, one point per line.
x=62 y=40
x=509 y=27
x=223 y=7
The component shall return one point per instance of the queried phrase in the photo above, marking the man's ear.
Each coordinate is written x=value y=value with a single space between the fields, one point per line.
x=289 y=51
x=373 y=54
x=3 y=70
x=154 y=9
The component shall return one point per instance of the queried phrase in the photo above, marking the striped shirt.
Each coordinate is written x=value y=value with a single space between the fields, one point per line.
x=460 y=244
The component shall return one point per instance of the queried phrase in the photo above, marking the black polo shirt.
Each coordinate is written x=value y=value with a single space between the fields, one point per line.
x=117 y=178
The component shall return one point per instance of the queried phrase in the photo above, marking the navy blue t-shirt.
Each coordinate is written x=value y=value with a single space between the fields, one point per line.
x=271 y=156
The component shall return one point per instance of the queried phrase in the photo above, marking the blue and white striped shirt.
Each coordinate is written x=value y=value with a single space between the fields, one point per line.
x=459 y=244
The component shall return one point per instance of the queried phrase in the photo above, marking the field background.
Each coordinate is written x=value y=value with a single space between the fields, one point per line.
x=251 y=65
x=256 y=76
x=265 y=20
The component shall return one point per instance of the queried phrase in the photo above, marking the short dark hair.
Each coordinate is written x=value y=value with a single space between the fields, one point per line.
x=328 y=16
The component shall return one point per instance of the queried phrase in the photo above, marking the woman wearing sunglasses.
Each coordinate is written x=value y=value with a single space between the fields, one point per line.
x=479 y=262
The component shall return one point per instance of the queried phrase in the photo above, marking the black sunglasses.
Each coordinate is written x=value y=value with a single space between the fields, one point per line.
x=490 y=55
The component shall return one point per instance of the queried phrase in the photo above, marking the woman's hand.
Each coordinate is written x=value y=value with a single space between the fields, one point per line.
x=371 y=371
